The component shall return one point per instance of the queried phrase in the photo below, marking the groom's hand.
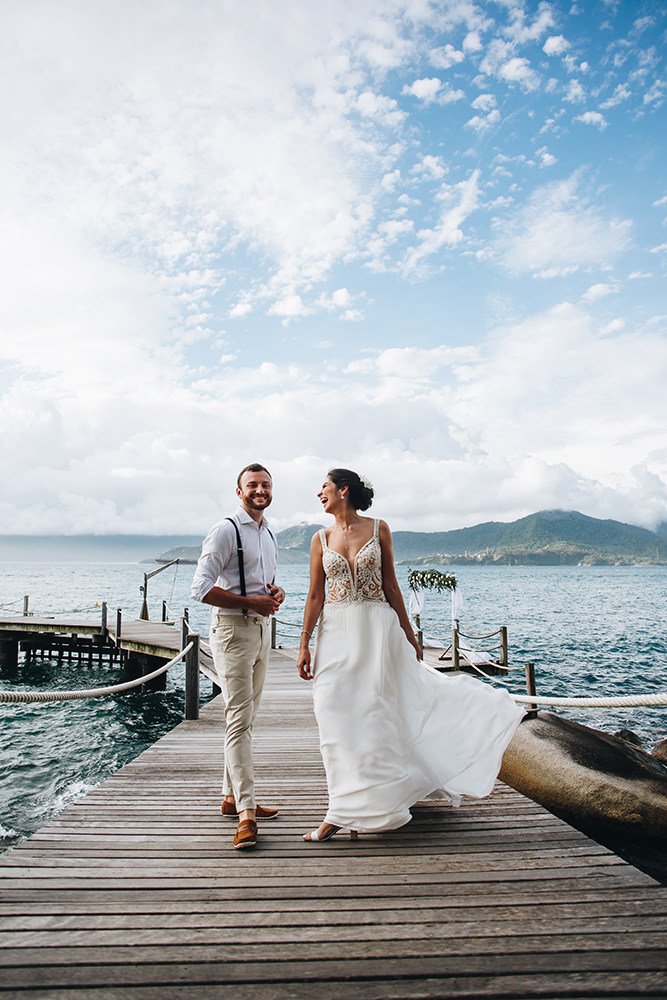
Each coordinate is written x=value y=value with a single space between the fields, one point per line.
x=263 y=604
x=277 y=592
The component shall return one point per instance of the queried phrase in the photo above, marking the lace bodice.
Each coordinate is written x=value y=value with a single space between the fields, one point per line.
x=365 y=584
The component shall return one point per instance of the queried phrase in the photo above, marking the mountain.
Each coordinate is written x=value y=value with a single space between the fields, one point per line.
x=294 y=543
x=549 y=537
x=293 y=547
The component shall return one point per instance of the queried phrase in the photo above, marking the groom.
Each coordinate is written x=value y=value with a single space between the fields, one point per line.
x=236 y=576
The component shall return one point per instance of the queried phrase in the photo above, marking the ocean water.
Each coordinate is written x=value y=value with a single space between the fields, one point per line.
x=589 y=631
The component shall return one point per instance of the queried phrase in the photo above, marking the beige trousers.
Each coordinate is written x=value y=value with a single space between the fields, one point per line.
x=240 y=647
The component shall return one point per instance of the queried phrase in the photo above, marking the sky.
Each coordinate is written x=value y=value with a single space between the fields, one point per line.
x=423 y=240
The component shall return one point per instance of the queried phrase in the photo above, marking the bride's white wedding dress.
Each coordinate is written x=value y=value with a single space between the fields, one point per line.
x=392 y=730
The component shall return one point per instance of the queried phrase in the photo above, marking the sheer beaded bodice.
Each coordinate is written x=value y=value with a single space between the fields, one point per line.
x=365 y=584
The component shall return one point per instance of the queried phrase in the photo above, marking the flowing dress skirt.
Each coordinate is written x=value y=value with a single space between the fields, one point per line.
x=393 y=731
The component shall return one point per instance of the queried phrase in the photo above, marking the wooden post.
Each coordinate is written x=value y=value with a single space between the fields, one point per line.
x=9 y=656
x=119 y=619
x=26 y=601
x=455 y=648
x=164 y=611
x=105 y=631
x=273 y=632
x=192 y=678
x=185 y=629
x=420 y=634
x=531 y=689
x=186 y=614
x=143 y=615
x=504 y=654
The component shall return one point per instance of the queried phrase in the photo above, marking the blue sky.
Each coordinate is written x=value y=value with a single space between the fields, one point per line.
x=426 y=240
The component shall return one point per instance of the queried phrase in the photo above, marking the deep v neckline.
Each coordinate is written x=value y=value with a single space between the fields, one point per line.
x=351 y=567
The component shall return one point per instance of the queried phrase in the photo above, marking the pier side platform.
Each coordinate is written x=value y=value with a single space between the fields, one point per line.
x=136 y=891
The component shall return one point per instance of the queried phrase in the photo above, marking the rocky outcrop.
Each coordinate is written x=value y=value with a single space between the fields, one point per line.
x=589 y=778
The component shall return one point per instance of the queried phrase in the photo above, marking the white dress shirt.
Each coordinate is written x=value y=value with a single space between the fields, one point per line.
x=218 y=564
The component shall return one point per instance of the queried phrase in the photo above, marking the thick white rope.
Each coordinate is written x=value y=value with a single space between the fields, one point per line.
x=29 y=696
x=631 y=701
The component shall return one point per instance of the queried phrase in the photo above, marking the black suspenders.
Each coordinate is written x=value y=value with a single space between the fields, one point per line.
x=239 y=553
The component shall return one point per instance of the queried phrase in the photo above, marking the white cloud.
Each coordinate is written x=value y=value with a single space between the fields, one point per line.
x=446 y=57
x=592 y=118
x=555 y=45
x=425 y=89
x=613 y=326
x=547 y=159
x=598 y=291
x=479 y=124
x=660 y=201
x=291 y=306
x=639 y=274
x=621 y=93
x=575 y=93
x=659 y=249
x=433 y=166
x=484 y=102
x=472 y=42
x=530 y=421
x=559 y=229
x=458 y=200
x=518 y=70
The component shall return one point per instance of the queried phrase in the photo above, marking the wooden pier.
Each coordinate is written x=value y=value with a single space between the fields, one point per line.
x=136 y=891
x=141 y=645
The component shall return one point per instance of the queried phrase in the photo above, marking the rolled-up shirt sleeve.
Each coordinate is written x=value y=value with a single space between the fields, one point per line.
x=215 y=553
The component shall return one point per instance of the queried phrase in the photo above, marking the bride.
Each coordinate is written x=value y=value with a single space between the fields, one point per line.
x=392 y=731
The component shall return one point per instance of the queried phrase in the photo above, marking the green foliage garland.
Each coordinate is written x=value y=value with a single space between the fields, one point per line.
x=430 y=579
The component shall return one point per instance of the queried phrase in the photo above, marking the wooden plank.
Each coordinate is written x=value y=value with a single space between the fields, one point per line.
x=136 y=890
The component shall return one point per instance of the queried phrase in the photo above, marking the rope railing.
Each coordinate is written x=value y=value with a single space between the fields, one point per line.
x=23 y=697
x=630 y=701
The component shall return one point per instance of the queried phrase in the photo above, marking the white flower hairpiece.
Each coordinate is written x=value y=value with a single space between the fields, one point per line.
x=365 y=481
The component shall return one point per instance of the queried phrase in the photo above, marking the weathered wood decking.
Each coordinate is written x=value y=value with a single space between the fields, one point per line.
x=136 y=891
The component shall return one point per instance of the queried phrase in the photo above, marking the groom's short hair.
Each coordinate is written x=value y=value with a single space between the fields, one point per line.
x=255 y=467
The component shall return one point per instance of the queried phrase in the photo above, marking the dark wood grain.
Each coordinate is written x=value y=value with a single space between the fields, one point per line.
x=136 y=891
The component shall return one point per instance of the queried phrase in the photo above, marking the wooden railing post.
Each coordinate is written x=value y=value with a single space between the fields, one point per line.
x=531 y=689
x=164 y=611
x=119 y=619
x=192 y=678
x=455 y=648
x=504 y=652
x=420 y=634
x=273 y=632
x=105 y=631
x=26 y=601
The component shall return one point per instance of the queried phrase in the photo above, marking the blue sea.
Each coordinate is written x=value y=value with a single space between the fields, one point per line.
x=589 y=631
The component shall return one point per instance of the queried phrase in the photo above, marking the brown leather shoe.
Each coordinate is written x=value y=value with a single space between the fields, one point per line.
x=246 y=834
x=229 y=809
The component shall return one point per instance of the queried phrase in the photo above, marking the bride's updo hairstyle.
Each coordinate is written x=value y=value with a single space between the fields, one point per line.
x=359 y=494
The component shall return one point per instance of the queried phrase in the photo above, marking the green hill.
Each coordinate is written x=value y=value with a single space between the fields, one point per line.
x=549 y=537
x=294 y=543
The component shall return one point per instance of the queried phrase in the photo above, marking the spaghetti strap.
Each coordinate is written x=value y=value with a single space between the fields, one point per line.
x=376 y=528
x=323 y=538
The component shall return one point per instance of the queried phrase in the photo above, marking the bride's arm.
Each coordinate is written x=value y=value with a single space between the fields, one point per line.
x=392 y=591
x=314 y=603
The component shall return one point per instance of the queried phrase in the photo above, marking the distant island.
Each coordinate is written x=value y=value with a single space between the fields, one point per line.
x=547 y=538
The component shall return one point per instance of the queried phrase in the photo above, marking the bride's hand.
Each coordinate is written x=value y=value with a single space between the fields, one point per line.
x=303 y=665
x=418 y=651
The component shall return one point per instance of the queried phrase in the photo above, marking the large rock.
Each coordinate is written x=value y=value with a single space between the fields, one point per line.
x=587 y=777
